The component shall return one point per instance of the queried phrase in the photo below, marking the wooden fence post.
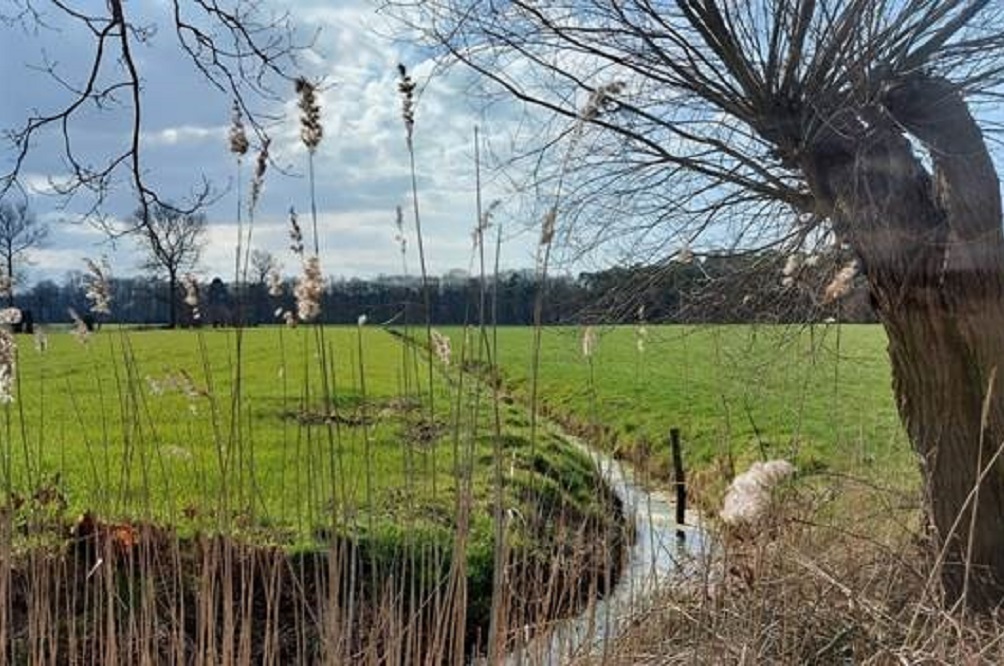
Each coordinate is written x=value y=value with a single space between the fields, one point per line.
x=680 y=482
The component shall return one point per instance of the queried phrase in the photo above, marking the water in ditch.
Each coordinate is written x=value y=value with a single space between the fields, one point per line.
x=663 y=554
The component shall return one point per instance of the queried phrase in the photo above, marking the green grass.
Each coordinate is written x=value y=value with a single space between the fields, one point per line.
x=143 y=424
x=820 y=396
x=147 y=426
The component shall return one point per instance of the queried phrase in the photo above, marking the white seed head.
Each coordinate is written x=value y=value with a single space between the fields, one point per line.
x=309 y=289
x=237 y=136
x=547 y=226
x=842 y=282
x=191 y=284
x=749 y=497
x=601 y=100
x=311 y=129
x=258 y=179
x=8 y=366
x=588 y=342
x=10 y=316
x=791 y=265
x=98 y=290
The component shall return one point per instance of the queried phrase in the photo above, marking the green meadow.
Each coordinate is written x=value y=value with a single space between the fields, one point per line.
x=152 y=423
x=167 y=426
x=287 y=438
x=318 y=451
x=818 y=395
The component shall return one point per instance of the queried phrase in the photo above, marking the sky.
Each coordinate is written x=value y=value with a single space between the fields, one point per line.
x=361 y=164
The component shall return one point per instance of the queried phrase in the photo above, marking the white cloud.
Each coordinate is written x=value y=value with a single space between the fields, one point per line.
x=42 y=184
x=171 y=136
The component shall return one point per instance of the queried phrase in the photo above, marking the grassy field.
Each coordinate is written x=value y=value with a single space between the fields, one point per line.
x=160 y=428
x=145 y=422
x=820 y=396
x=149 y=424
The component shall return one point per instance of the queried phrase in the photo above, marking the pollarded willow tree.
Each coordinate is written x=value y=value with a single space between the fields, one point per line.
x=770 y=120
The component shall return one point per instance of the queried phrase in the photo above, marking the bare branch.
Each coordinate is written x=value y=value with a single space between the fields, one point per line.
x=239 y=48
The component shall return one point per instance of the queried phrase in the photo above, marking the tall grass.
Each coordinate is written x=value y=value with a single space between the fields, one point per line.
x=287 y=495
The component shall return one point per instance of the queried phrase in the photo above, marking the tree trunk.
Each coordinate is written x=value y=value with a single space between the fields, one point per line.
x=931 y=246
x=172 y=300
x=10 y=276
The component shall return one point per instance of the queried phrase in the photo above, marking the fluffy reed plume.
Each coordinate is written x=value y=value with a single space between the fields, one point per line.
x=588 y=342
x=237 y=136
x=441 y=347
x=547 y=226
x=79 y=330
x=311 y=130
x=684 y=255
x=309 y=289
x=406 y=87
x=98 y=291
x=485 y=223
x=239 y=145
x=258 y=179
x=362 y=320
x=289 y=318
x=10 y=316
x=791 y=265
x=273 y=280
x=749 y=495
x=601 y=100
x=191 y=285
x=641 y=331
x=41 y=341
x=8 y=366
x=842 y=282
x=399 y=237
x=295 y=233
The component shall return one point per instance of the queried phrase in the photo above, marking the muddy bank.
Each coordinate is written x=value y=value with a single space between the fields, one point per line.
x=101 y=592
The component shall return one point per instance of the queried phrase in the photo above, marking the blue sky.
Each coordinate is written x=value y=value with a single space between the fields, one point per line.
x=361 y=164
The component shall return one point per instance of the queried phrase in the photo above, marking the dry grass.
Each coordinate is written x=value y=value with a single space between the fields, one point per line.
x=839 y=574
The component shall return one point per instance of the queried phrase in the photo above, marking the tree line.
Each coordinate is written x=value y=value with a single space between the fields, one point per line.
x=725 y=288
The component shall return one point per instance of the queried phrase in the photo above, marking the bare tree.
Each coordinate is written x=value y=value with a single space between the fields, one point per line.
x=173 y=242
x=778 y=122
x=20 y=231
x=263 y=262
